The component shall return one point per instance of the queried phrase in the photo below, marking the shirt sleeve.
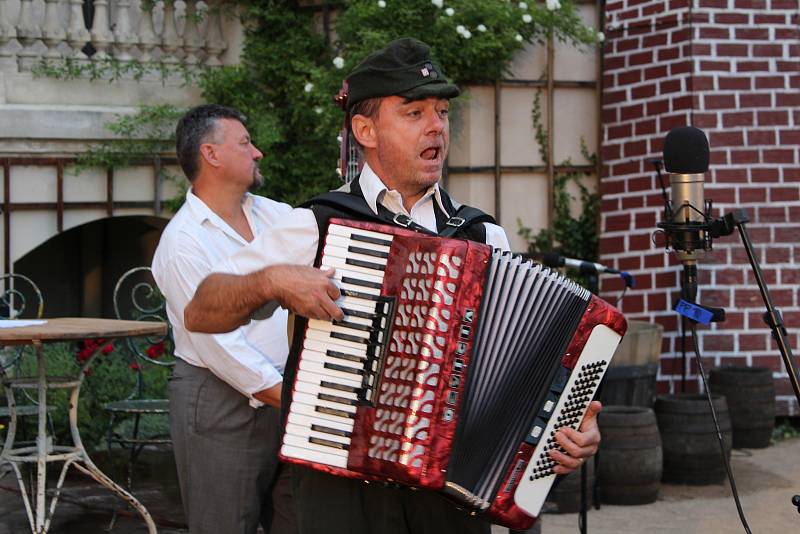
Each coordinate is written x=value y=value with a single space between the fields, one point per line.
x=293 y=241
x=496 y=237
x=229 y=356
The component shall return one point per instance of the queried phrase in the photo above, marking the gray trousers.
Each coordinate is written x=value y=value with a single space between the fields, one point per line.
x=226 y=456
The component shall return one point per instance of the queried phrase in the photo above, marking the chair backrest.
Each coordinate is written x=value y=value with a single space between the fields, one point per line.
x=136 y=297
x=20 y=298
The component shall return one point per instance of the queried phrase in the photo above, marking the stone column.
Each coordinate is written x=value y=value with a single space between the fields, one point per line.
x=170 y=41
x=123 y=34
x=215 y=42
x=77 y=34
x=102 y=38
x=192 y=40
x=53 y=33
x=29 y=33
x=8 y=37
x=147 y=33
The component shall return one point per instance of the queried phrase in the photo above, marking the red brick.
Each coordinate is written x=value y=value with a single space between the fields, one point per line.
x=612 y=187
x=627 y=167
x=652 y=261
x=642 y=58
x=790 y=276
x=698 y=49
x=639 y=242
x=668 y=122
x=611 y=245
x=744 y=156
x=716 y=297
x=732 y=83
x=786 y=66
x=734 y=321
x=610 y=115
x=628 y=113
x=771 y=214
x=791 y=175
x=770 y=82
x=643 y=91
x=752 y=66
x=715 y=66
x=718 y=101
x=629 y=203
x=730 y=18
x=716 y=342
x=611 y=152
x=670 y=86
x=730 y=175
x=682 y=102
x=668 y=54
x=770 y=362
x=752 y=33
x=729 y=276
x=750 y=4
x=657 y=107
x=645 y=127
x=760 y=137
x=790 y=137
x=789 y=33
x=705 y=120
x=786 y=234
x=681 y=67
x=656 y=72
x=752 y=341
x=632 y=303
x=772 y=19
x=752 y=195
x=733 y=50
x=722 y=196
x=629 y=77
x=770 y=50
x=758 y=100
x=776 y=254
x=747 y=298
x=622 y=131
x=787 y=99
x=726 y=138
x=614 y=97
x=741 y=118
x=762 y=174
x=719 y=158
x=625 y=45
x=617 y=223
x=715 y=32
x=613 y=63
x=779 y=156
x=631 y=263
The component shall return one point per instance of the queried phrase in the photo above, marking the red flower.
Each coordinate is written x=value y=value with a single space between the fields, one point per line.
x=155 y=350
x=108 y=349
x=135 y=366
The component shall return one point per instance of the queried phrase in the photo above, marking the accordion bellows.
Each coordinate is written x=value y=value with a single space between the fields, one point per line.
x=452 y=370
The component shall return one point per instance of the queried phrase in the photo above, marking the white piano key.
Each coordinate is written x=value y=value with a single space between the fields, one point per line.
x=307 y=432
x=320 y=457
x=348 y=231
x=323 y=347
x=346 y=253
x=344 y=242
x=303 y=443
x=327 y=326
x=338 y=263
x=355 y=287
x=321 y=335
x=313 y=389
x=339 y=376
x=311 y=411
x=357 y=304
x=323 y=358
x=306 y=421
x=345 y=272
x=313 y=400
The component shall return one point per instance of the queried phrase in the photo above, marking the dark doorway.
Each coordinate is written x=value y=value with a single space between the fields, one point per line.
x=76 y=270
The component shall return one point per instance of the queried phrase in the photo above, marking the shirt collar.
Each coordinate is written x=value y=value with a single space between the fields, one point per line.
x=203 y=213
x=373 y=189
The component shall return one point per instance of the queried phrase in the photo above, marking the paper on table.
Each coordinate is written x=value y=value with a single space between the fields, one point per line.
x=19 y=323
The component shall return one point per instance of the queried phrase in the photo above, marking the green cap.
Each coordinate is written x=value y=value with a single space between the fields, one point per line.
x=403 y=68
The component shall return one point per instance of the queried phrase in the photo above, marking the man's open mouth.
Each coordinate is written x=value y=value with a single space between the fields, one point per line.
x=431 y=153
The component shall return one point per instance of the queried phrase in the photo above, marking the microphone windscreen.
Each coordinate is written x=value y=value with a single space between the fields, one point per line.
x=552 y=259
x=686 y=151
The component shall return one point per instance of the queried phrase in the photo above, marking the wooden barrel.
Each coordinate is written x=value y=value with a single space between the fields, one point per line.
x=630 y=385
x=689 y=439
x=750 y=393
x=566 y=495
x=630 y=458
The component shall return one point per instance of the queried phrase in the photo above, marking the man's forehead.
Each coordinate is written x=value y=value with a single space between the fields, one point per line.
x=232 y=127
x=397 y=101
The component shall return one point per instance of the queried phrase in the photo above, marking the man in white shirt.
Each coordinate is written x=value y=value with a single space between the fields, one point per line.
x=399 y=101
x=225 y=389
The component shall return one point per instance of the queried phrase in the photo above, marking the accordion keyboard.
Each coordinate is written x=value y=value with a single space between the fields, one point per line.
x=340 y=360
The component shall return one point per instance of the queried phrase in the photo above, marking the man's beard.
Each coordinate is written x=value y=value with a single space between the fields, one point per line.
x=258 y=180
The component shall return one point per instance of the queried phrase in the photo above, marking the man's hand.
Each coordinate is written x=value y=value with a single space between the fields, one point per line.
x=579 y=444
x=271 y=396
x=305 y=290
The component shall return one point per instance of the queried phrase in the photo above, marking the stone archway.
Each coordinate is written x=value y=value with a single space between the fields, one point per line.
x=77 y=269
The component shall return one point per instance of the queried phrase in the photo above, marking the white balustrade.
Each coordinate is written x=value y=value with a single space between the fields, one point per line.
x=134 y=34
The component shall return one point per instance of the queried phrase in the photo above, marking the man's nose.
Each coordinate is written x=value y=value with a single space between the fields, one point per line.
x=435 y=123
x=257 y=155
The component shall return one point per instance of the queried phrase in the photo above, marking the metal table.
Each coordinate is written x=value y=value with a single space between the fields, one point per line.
x=59 y=330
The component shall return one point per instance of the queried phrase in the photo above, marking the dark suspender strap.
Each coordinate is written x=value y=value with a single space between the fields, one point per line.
x=463 y=218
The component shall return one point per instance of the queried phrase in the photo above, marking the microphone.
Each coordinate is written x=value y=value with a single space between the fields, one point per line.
x=686 y=155
x=553 y=259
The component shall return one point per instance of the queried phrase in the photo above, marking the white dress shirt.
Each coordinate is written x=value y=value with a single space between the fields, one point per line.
x=295 y=238
x=252 y=357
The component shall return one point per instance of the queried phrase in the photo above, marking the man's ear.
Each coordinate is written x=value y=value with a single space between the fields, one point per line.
x=364 y=131
x=209 y=154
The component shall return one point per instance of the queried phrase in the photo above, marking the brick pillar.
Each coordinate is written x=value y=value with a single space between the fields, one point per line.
x=731 y=68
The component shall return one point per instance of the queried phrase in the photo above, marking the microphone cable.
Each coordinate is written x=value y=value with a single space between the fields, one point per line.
x=731 y=480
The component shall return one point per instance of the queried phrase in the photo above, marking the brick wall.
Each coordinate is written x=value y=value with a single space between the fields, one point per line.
x=731 y=68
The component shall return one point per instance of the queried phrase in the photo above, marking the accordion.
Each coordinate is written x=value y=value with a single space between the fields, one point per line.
x=452 y=369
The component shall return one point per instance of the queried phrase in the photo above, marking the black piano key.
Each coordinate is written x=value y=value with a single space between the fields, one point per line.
x=368 y=252
x=360 y=314
x=360 y=282
x=344 y=356
x=337 y=399
x=354 y=326
x=360 y=295
x=348 y=337
x=340 y=387
x=343 y=368
x=369 y=239
x=365 y=264
x=334 y=412
x=328 y=443
x=332 y=431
